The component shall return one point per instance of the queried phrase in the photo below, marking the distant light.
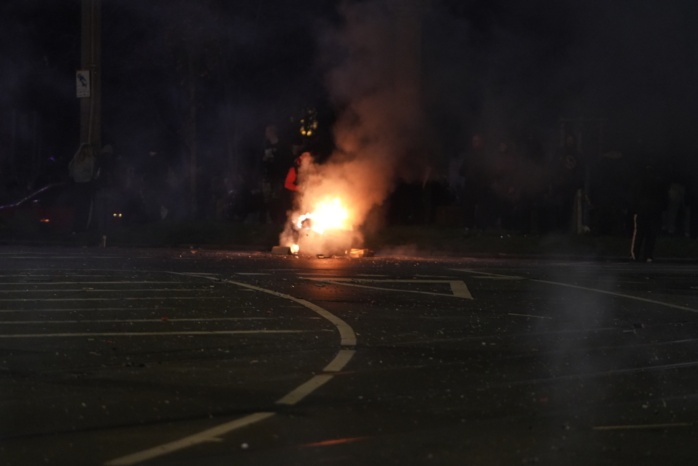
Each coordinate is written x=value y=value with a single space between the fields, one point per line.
x=45 y=220
x=309 y=122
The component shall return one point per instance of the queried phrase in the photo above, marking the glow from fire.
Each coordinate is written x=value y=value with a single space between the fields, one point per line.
x=329 y=210
x=329 y=214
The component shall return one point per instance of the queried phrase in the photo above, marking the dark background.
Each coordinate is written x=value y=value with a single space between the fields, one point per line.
x=506 y=68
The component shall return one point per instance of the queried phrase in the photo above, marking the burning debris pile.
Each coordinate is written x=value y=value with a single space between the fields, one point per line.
x=378 y=134
x=325 y=230
x=322 y=222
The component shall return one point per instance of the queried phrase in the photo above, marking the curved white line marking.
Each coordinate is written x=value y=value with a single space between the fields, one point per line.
x=341 y=359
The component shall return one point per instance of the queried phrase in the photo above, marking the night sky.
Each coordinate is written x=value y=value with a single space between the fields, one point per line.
x=504 y=67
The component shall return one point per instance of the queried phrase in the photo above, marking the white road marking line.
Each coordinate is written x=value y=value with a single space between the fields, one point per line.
x=458 y=287
x=494 y=277
x=356 y=285
x=595 y=375
x=103 y=309
x=150 y=334
x=346 y=333
x=210 y=435
x=489 y=275
x=100 y=282
x=104 y=290
x=341 y=359
x=644 y=426
x=77 y=309
x=528 y=315
x=60 y=257
x=441 y=277
x=585 y=288
x=383 y=280
x=619 y=295
x=128 y=321
x=304 y=389
x=123 y=298
x=348 y=337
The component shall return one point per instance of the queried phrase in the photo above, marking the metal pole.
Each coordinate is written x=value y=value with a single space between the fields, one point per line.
x=90 y=107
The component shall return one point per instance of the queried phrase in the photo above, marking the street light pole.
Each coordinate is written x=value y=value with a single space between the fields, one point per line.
x=90 y=106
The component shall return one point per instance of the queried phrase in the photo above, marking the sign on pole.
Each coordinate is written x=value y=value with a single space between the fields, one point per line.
x=82 y=83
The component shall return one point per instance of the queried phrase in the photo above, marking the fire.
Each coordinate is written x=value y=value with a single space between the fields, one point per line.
x=327 y=229
x=329 y=214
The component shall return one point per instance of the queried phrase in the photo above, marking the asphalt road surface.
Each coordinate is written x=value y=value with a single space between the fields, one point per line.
x=190 y=357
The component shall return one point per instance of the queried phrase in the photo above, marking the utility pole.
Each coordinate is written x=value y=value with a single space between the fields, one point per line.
x=89 y=76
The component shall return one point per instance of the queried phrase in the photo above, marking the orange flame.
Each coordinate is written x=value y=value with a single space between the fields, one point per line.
x=329 y=214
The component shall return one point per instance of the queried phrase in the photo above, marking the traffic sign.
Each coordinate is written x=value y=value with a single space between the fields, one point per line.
x=82 y=83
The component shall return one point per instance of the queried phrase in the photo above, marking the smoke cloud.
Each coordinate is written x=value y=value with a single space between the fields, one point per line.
x=373 y=77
